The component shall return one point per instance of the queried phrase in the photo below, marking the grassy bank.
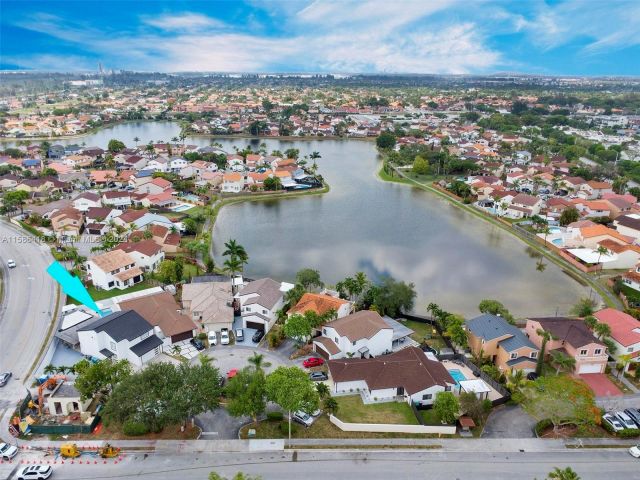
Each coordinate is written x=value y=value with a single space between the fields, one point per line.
x=609 y=299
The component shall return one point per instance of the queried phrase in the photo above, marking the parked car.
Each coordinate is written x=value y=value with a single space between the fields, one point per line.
x=634 y=413
x=303 y=418
x=313 y=362
x=7 y=452
x=318 y=376
x=232 y=373
x=4 y=378
x=635 y=451
x=35 y=472
x=224 y=336
x=613 y=422
x=626 y=420
x=11 y=263
x=196 y=342
x=239 y=335
x=257 y=336
x=212 y=337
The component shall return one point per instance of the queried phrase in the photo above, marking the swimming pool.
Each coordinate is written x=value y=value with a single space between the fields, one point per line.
x=182 y=207
x=191 y=197
x=557 y=242
x=554 y=230
x=457 y=375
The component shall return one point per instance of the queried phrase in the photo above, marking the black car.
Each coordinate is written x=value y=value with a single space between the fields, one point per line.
x=318 y=376
x=197 y=343
x=257 y=336
x=4 y=378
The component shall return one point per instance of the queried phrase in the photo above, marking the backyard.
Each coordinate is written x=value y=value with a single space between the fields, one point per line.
x=423 y=331
x=352 y=410
x=98 y=295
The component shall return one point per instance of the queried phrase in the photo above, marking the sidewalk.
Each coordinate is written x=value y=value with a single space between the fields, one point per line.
x=629 y=385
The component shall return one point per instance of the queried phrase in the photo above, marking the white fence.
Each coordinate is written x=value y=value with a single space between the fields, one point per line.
x=392 y=428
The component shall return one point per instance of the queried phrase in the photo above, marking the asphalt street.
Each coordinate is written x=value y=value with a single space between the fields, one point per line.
x=370 y=465
x=27 y=306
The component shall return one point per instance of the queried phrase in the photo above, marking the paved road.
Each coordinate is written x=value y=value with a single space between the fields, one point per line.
x=369 y=464
x=27 y=306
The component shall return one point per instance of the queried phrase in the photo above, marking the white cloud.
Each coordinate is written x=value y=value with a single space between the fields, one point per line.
x=183 y=21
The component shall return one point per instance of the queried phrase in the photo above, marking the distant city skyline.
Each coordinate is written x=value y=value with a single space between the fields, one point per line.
x=572 y=37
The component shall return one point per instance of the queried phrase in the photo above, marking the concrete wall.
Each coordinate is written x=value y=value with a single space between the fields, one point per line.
x=391 y=428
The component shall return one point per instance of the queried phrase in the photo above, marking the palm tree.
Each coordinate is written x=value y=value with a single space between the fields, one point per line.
x=257 y=360
x=516 y=380
x=590 y=321
x=136 y=139
x=49 y=370
x=601 y=251
x=562 y=361
x=330 y=405
x=563 y=474
x=546 y=336
x=234 y=249
x=602 y=330
x=233 y=265
x=323 y=390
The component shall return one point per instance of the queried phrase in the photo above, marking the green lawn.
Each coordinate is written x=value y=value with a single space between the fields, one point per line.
x=430 y=417
x=424 y=330
x=98 y=295
x=352 y=410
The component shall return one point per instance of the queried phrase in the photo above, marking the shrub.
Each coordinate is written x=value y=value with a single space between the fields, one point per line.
x=541 y=426
x=284 y=428
x=202 y=336
x=275 y=416
x=629 y=433
x=134 y=429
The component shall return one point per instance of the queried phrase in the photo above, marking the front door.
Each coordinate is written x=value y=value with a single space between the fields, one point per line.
x=400 y=391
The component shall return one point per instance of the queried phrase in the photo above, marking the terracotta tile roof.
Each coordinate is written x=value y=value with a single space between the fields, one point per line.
x=624 y=328
x=146 y=247
x=317 y=303
x=617 y=248
x=362 y=324
x=232 y=177
x=409 y=368
x=599 y=230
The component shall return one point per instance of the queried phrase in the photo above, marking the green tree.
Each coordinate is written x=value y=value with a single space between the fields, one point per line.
x=190 y=226
x=100 y=377
x=234 y=249
x=257 y=360
x=233 y=265
x=546 y=337
x=115 y=146
x=14 y=199
x=309 y=278
x=294 y=295
x=602 y=330
x=569 y=215
x=391 y=297
x=455 y=330
x=620 y=185
x=323 y=390
x=495 y=307
x=330 y=405
x=291 y=388
x=420 y=166
x=584 y=308
x=246 y=394
x=475 y=407
x=292 y=153
x=447 y=407
x=168 y=272
x=237 y=476
x=386 y=140
x=562 y=361
x=298 y=328
x=563 y=474
x=272 y=183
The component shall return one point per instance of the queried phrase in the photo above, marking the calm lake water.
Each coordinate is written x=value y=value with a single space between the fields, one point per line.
x=364 y=224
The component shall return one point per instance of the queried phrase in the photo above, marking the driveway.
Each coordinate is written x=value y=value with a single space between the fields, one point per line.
x=509 y=421
x=601 y=385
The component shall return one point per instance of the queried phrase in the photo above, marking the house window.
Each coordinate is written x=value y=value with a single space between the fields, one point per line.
x=583 y=352
x=336 y=340
x=630 y=349
x=447 y=388
x=324 y=332
x=514 y=356
x=598 y=351
x=427 y=396
x=353 y=343
x=113 y=346
x=264 y=312
x=534 y=355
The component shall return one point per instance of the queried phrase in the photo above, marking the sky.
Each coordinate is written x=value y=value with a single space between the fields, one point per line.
x=561 y=37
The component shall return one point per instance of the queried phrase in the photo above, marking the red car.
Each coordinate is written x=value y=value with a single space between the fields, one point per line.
x=232 y=373
x=313 y=362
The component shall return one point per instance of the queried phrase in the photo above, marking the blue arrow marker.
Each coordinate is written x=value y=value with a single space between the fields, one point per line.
x=72 y=286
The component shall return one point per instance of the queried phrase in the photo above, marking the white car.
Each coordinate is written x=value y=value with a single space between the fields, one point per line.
x=613 y=422
x=11 y=263
x=625 y=420
x=35 y=472
x=213 y=338
x=303 y=418
x=7 y=452
x=635 y=451
x=224 y=336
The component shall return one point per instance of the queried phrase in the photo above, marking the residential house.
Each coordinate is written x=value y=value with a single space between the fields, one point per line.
x=67 y=223
x=114 y=269
x=117 y=199
x=101 y=214
x=592 y=236
x=163 y=236
x=407 y=375
x=158 y=164
x=593 y=189
x=123 y=335
x=362 y=334
x=161 y=310
x=86 y=200
x=321 y=304
x=259 y=301
x=147 y=254
x=137 y=179
x=504 y=344
x=573 y=338
x=41 y=186
x=102 y=177
x=625 y=333
x=232 y=182
x=155 y=186
x=628 y=225
x=209 y=304
x=9 y=182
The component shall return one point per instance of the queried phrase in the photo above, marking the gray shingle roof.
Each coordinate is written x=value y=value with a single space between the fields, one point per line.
x=268 y=292
x=146 y=345
x=120 y=325
x=490 y=327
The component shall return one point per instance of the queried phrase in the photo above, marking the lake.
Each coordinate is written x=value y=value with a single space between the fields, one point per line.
x=364 y=224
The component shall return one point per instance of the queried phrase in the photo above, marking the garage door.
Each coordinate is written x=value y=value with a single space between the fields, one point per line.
x=256 y=325
x=320 y=351
x=590 y=368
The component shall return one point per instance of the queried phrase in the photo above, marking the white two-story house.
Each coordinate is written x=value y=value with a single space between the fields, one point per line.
x=147 y=254
x=123 y=335
x=259 y=302
x=362 y=334
x=625 y=334
x=114 y=269
x=232 y=182
x=118 y=199
x=85 y=201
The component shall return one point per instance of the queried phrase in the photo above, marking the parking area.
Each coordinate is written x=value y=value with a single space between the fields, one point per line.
x=509 y=421
x=247 y=333
x=601 y=385
x=228 y=357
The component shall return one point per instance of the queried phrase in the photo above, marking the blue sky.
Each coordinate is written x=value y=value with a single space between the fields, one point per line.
x=575 y=37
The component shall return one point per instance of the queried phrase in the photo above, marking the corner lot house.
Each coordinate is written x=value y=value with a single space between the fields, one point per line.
x=362 y=334
x=507 y=347
x=120 y=335
x=259 y=302
x=573 y=338
x=209 y=304
x=115 y=269
x=408 y=375
x=625 y=333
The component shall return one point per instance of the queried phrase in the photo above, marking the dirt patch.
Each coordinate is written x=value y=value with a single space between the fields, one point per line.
x=566 y=431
